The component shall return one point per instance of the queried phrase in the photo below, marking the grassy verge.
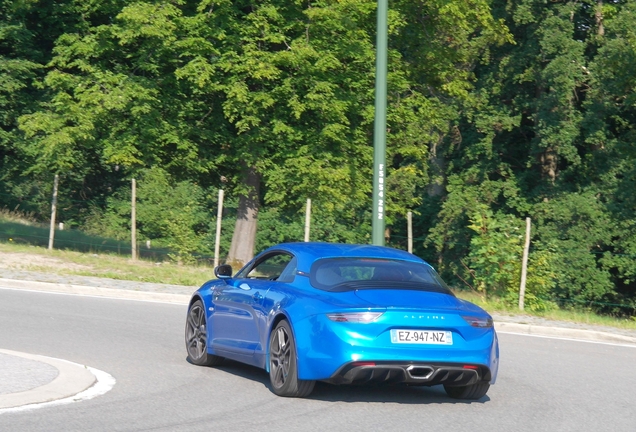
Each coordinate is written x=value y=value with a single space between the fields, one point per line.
x=65 y=262
x=18 y=228
x=579 y=316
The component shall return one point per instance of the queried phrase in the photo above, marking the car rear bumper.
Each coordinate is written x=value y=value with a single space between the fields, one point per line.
x=412 y=373
x=334 y=348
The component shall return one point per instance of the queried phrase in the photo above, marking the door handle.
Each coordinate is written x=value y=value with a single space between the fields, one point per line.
x=257 y=296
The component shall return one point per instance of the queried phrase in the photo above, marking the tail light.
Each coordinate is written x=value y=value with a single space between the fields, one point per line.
x=355 y=317
x=479 y=322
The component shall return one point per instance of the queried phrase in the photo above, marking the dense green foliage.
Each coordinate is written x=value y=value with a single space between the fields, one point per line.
x=498 y=110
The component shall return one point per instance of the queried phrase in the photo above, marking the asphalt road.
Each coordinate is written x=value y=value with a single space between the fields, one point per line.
x=544 y=384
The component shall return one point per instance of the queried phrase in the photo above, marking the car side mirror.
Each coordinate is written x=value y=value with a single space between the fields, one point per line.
x=223 y=271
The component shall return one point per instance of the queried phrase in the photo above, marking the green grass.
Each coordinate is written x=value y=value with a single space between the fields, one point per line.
x=579 y=316
x=66 y=262
x=32 y=233
x=78 y=253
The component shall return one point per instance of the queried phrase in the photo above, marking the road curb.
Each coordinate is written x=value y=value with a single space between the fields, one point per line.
x=95 y=291
x=71 y=380
x=561 y=332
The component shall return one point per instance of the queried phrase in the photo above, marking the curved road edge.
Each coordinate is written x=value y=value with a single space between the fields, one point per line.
x=91 y=291
x=74 y=383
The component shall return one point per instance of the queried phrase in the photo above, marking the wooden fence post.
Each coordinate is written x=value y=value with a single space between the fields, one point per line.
x=524 y=266
x=409 y=230
x=133 y=221
x=53 y=211
x=307 y=219
x=217 y=241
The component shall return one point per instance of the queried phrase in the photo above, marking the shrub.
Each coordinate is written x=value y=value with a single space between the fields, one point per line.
x=495 y=259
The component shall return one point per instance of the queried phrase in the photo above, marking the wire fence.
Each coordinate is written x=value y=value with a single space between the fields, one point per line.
x=591 y=304
x=77 y=241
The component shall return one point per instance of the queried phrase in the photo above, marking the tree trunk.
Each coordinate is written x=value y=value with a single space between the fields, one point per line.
x=244 y=236
x=437 y=171
x=548 y=158
x=549 y=168
x=600 y=28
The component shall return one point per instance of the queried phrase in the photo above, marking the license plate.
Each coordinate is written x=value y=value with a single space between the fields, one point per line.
x=430 y=337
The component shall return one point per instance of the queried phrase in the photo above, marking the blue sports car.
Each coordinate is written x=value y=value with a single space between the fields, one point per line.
x=343 y=314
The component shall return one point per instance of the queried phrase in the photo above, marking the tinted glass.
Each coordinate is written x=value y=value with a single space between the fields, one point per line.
x=269 y=267
x=343 y=274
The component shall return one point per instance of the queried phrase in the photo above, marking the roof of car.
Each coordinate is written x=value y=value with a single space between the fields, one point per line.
x=312 y=251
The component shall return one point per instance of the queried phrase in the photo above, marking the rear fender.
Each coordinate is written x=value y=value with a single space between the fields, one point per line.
x=494 y=359
x=276 y=318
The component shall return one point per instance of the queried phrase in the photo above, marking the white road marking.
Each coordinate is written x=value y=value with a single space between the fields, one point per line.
x=96 y=296
x=567 y=339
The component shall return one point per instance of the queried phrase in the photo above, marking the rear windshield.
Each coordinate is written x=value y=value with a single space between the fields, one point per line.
x=346 y=274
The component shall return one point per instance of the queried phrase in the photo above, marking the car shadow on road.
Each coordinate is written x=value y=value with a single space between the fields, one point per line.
x=401 y=394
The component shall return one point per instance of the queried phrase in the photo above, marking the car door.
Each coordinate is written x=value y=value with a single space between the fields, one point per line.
x=240 y=311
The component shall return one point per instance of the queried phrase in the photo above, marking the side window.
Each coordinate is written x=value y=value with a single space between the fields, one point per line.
x=290 y=271
x=270 y=267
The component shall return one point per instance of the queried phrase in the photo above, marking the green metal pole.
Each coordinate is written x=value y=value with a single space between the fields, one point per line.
x=379 y=135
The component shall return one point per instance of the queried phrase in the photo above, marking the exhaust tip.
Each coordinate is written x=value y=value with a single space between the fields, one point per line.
x=419 y=372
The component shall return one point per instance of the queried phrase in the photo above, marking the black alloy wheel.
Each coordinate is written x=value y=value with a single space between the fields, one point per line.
x=196 y=337
x=472 y=392
x=283 y=370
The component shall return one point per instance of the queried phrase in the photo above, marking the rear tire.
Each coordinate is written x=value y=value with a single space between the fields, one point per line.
x=196 y=337
x=283 y=370
x=472 y=392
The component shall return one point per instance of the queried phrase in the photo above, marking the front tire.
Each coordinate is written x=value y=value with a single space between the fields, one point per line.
x=472 y=392
x=196 y=337
x=283 y=370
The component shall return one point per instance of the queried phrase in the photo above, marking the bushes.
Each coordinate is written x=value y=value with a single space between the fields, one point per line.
x=495 y=261
x=172 y=214
x=573 y=258
x=182 y=217
x=580 y=229
x=495 y=252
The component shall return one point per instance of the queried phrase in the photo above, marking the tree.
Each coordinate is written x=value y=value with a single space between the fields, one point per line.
x=538 y=139
x=114 y=105
x=610 y=133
